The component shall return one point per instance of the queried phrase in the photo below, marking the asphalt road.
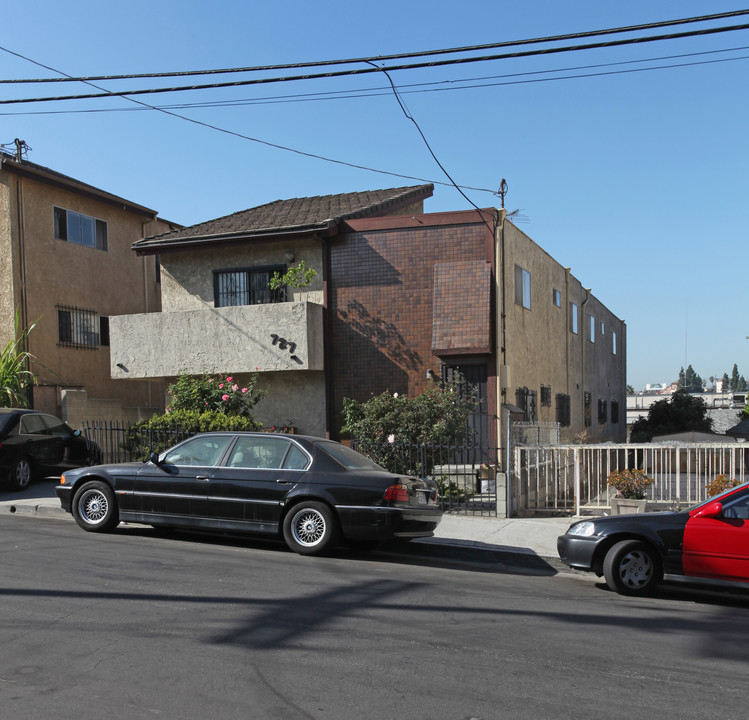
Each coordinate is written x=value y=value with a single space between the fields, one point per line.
x=141 y=625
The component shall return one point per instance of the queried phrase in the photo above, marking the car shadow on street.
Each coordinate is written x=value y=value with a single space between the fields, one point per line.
x=427 y=554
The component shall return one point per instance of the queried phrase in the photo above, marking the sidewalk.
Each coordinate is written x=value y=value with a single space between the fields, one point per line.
x=531 y=542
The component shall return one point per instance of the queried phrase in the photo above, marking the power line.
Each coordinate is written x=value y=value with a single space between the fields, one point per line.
x=412 y=88
x=382 y=58
x=369 y=70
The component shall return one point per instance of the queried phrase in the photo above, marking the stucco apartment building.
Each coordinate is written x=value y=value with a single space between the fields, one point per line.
x=66 y=264
x=400 y=296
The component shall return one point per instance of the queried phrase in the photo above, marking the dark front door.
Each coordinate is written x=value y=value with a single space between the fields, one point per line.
x=474 y=377
x=178 y=485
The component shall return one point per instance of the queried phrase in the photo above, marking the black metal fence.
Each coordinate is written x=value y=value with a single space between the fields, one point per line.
x=466 y=474
x=124 y=442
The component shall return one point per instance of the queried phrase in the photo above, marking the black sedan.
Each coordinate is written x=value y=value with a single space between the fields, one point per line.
x=706 y=544
x=310 y=491
x=35 y=444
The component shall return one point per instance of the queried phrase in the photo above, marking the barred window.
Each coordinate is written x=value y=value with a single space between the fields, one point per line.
x=602 y=411
x=563 y=409
x=546 y=395
x=526 y=399
x=79 y=328
x=80 y=229
x=246 y=286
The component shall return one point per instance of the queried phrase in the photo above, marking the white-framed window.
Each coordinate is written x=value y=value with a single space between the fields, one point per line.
x=80 y=229
x=592 y=329
x=603 y=328
x=556 y=297
x=613 y=343
x=573 y=318
x=522 y=287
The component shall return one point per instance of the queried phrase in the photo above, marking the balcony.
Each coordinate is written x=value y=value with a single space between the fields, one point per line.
x=249 y=338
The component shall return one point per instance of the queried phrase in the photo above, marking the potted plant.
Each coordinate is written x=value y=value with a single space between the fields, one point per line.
x=631 y=486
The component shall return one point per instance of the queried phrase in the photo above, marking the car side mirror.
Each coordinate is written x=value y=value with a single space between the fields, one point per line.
x=711 y=510
x=154 y=458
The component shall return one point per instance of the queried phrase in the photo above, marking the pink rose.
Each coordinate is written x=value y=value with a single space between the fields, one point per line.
x=228 y=379
x=224 y=397
x=235 y=388
x=220 y=386
x=244 y=390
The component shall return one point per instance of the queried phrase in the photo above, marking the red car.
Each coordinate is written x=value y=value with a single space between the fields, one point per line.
x=706 y=544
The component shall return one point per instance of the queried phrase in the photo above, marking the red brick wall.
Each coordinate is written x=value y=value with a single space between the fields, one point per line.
x=381 y=285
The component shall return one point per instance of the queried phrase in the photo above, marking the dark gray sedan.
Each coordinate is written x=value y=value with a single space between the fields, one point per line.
x=312 y=492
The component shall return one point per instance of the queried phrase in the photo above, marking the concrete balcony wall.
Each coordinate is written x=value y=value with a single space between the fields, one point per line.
x=264 y=338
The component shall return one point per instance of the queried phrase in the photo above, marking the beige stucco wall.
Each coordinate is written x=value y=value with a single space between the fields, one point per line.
x=279 y=337
x=187 y=277
x=8 y=288
x=54 y=272
x=541 y=349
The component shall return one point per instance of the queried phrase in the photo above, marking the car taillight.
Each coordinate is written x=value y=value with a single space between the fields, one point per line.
x=397 y=493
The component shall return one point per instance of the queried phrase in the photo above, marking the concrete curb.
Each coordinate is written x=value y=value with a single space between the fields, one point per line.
x=464 y=551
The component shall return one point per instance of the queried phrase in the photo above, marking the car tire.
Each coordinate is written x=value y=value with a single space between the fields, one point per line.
x=95 y=508
x=21 y=473
x=310 y=528
x=632 y=567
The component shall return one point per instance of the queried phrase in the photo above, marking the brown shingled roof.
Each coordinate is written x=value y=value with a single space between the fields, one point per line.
x=297 y=216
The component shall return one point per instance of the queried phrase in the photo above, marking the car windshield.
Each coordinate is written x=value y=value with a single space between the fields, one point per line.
x=347 y=457
x=6 y=420
x=714 y=498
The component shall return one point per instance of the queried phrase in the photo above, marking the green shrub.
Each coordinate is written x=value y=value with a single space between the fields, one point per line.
x=220 y=393
x=404 y=434
x=162 y=431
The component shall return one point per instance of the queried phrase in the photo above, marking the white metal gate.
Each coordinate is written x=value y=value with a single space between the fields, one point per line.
x=571 y=479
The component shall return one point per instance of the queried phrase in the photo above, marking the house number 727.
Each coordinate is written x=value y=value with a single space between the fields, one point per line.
x=283 y=343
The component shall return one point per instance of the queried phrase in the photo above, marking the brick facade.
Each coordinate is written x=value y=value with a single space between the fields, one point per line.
x=384 y=331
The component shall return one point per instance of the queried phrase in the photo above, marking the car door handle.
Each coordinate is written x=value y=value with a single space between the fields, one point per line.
x=281 y=481
x=202 y=477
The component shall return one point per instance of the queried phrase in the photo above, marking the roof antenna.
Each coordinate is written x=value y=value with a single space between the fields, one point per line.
x=502 y=191
x=22 y=150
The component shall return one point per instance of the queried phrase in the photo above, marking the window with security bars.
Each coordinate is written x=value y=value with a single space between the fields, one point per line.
x=546 y=395
x=602 y=411
x=80 y=328
x=563 y=409
x=80 y=229
x=526 y=399
x=246 y=286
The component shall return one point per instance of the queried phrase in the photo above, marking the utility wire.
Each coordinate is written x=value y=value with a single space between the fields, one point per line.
x=382 y=58
x=369 y=70
x=412 y=88
x=270 y=144
x=426 y=142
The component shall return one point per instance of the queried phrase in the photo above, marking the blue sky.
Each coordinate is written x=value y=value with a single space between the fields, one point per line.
x=637 y=181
